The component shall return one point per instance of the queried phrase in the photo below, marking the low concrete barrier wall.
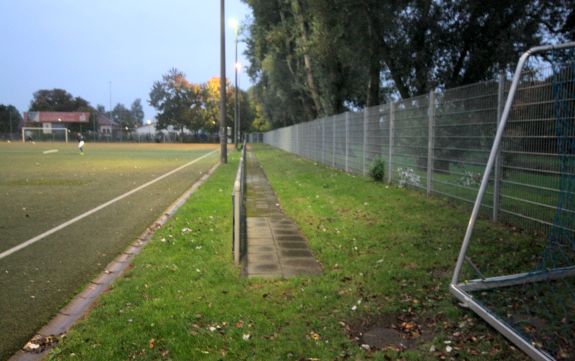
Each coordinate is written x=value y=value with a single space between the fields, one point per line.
x=239 y=214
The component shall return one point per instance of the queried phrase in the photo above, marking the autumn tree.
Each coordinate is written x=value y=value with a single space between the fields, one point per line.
x=211 y=98
x=178 y=102
x=196 y=107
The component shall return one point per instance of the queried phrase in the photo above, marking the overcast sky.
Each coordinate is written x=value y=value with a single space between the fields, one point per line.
x=83 y=45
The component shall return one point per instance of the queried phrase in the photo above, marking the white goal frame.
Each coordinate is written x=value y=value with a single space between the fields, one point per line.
x=44 y=131
x=461 y=290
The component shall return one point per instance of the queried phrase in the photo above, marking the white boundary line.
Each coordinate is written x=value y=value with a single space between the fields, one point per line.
x=94 y=210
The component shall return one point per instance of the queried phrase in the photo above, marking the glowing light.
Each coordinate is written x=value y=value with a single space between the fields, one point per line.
x=234 y=24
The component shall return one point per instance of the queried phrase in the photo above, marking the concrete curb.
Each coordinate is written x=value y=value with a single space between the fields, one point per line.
x=81 y=304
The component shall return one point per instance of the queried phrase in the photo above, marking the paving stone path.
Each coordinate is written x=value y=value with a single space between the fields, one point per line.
x=275 y=246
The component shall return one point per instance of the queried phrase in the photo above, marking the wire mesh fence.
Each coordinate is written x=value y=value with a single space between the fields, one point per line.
x=57 y=135
x=439 y=143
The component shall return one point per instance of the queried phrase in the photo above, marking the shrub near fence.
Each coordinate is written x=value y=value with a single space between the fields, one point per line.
x=439 y=143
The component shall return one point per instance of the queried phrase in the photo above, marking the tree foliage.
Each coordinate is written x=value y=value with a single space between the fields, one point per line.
x=137 y=111
x=10 y=119
x=311 y=58
x=196 y=107
x=58 y=100
x=123 y=117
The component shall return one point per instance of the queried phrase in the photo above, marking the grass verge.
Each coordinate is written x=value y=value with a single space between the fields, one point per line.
x=387 y=255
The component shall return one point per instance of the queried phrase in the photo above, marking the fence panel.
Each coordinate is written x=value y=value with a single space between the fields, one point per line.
x=340 y=141
x=355 y=142
x=410 y=142
x=377 y=134
x=531 y=154
x=465 y=125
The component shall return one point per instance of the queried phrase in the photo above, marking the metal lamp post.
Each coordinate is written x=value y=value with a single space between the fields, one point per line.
x=234 y=25
x=223 y=145
x=238 y=68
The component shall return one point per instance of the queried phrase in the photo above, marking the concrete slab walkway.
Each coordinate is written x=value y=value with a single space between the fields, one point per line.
x=275 y=246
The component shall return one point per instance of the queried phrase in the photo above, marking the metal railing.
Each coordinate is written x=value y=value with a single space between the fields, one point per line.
x=239 y=210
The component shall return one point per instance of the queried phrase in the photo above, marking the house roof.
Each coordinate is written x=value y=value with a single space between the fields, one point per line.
x=104 y=120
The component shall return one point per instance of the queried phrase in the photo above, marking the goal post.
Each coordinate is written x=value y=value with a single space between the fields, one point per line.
x=489 y=294
x=48 y=134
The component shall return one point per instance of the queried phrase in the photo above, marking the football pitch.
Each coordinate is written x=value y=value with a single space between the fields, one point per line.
x=65 y=216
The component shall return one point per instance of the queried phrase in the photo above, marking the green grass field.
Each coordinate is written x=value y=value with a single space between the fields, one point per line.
x=39 y=191
x=387 y=255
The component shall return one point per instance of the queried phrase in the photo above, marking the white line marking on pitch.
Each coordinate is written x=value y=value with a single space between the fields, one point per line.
x=50 y=151
x=94 y=210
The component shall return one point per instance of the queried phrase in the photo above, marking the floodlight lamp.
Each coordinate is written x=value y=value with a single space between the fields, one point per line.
x=234 y=24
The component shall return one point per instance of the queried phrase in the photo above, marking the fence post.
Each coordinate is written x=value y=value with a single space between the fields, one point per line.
x=346 y=141
x=293 y=133
x=497 y=166
x=333 y=142
x=297 y=145
x=365 y=120
x=430 y=140
x=323 y=140
x=391 y=121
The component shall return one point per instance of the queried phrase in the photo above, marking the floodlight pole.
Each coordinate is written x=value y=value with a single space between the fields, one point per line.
x=110 y=94
x=223 y=140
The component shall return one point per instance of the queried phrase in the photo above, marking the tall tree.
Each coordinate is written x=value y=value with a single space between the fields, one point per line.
x=10 y=119
x=123 y=117
x=353 y=53
x=58 y=100
x=101 y=109
x=137 y=111
x=211 y=101
x=277 y=64
x=179 y=103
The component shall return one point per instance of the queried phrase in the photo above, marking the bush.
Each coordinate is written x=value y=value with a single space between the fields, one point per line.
x=377 y=170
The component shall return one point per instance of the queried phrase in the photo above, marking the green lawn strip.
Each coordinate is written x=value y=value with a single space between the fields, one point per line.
x=394 y=249
x=387 y=254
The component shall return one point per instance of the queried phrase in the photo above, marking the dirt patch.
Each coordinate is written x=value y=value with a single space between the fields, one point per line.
x=397 y=332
